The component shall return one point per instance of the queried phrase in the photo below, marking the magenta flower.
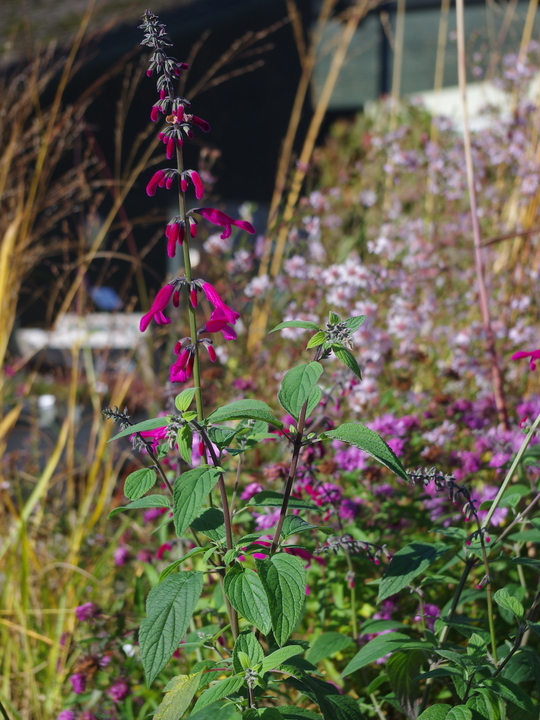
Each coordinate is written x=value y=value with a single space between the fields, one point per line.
x=158 y=306
x=119 y=690
x=157 y=180
x=219 y=322
x=220 y=218
x=175 y=233
x=214 y=297
x=155 y=436
x=534 y=356
x=78 y=681
x=120 y=556
x=195 y=178
x=87 y=611
x=66 y=715
x=251 y=490
x=182 y=369
x=165 y=547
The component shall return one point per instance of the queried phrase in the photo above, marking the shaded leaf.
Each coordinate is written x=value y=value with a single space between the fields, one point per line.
x=189 y=492
x=367 y=440
x=406 y=564
x=375 y=649
x=210 y=523
x=327 y=644
x=270 y=498
x=241 y=409
x=435 y=712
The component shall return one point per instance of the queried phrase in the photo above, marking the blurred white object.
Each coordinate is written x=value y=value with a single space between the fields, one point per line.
x=46 y=410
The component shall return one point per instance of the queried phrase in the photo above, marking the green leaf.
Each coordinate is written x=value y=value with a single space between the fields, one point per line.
x=512 y=693
x=435 y=712
x=314 y=399
x=277 y=658
x=149 y=501
x=183 y=400
x=247 y=595
x=459 y=712
x=333 y=318
x=222 y=436
x=247 y=643
x=341 y=707
x=210 y=523
x=179 y=692
x=219 y=690
x=269 y=498
x=184 y=439
x=367 y=440
x=354 y=323
x=293 y=524
x=503 y=598
x=284 y=580
x=378 y=626
x=347 y=358
x=526 y=536
x=376 y=649
x=172 y=567
x=403 y=669
x=327 y=644
x=169 y=607
x=304 y=324
x=217 y=711
x=297 y=385
x=317 y=339
x=242 y=409
x=151 y=424
x=189 y=492
x=406 y=564
x=138 y=483
x=291 y=712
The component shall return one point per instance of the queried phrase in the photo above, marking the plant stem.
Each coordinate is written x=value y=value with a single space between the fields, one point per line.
x=496 y=374
x=191 y=310
x=297 y=446
x=511 y=472
x=489 y=591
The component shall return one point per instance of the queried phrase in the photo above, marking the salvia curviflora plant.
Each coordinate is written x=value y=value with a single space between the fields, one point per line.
x=258 y=657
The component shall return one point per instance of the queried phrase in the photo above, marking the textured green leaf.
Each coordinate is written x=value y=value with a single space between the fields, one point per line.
x=172 y=567
x=297 y=385
x=367 y=440
x=459 y=712
x=169 y=607
x=305 y=324
x=377 y=626
x=435 y=712
x=512 y=693
x=247 y=643
x=179 y=692
x=277 y=658
x=375 y=649
x=241 y=409
x=269 y=498
x=406 y=564
x=247 y=595
x=189 y=492
x=219 y=690
x=151 y=424
x=347 y=358
x=354 y=323
x=314 y=399
x=341 y=707
x=217 y=711
x=210 y=523
x=291 y=712
x=284 y=579
x=138 y=483
x=403 y=669
x=316 y=340
x=149 y=501
x=503 y=598
x=293 y=524
x=183 y=400
x=327 y=644
x=184 y=439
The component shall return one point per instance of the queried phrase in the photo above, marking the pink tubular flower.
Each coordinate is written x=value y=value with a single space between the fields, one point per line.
x=195 y=178
x=220 y=218
x=199 y=122
x=158 y=306
x=157 y=180
x=534 y=356
x=175 y=233
x=162 y=550
x=219 y=322
x=214 y=297
x=182 y=369
x=66 y=715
